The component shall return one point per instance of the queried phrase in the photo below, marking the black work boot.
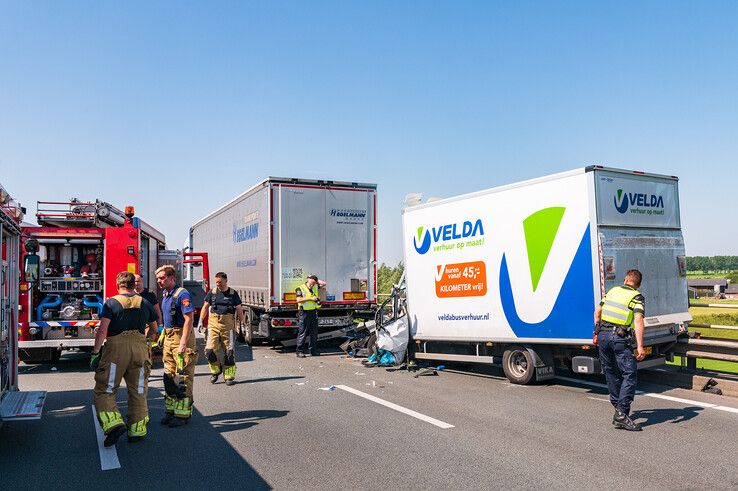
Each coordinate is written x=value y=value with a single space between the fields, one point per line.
x=230 y=381
x=623 y=422
x=214 y=378
x=168 y=417
x=176 y=422
x=112 y=436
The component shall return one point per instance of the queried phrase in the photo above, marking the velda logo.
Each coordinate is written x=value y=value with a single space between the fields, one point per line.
x=625 y=200
x=571 y=312
x=445 y=233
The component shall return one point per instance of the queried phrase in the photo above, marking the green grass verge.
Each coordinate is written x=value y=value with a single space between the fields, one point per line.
x=718 y=366
x=722 y=317
x=705 y=301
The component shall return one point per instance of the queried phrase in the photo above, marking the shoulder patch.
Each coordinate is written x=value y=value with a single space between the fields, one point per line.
x=185 y=302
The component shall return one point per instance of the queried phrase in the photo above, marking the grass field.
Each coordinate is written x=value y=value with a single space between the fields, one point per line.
x=718 y=366
x=706 y=275
x=715 y=315
x=705 y=301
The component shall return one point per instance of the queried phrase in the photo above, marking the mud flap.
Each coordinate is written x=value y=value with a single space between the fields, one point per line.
x=543 y=361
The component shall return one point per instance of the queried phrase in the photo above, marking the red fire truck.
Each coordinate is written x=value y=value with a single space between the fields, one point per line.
x=70 y=262
x=14 y=405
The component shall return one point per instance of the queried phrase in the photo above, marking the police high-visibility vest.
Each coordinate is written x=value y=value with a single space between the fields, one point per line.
x=615 y=309
x=309 y=293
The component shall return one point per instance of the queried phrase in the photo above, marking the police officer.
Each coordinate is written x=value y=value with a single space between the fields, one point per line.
x=307 y=321
x=179 y=352
x=619 y=318
x=224 y=304
x=126 y=356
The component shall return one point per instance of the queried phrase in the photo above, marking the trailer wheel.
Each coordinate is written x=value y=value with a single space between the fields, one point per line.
x=518 y=365
x=244 y=330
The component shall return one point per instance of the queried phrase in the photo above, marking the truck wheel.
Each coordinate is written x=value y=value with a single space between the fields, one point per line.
x=518 y=365
x=244 y=330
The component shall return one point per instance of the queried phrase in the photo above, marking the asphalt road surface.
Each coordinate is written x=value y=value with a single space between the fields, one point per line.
x=330 y=423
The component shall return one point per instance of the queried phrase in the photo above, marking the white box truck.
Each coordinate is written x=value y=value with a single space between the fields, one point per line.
x=268 y=239
x=513 y=274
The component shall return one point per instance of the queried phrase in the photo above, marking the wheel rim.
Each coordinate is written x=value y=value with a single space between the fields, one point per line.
x=517 y=364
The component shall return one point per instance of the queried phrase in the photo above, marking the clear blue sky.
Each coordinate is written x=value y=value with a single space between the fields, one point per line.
x=176 y=107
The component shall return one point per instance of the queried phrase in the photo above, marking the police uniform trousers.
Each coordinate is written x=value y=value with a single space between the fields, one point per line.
x=620 y=367
x=178 y=387
x=124 y=356
x=307 y=325
x=221 y=333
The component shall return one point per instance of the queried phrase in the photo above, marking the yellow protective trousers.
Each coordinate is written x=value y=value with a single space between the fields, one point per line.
x=178 y=386
x=125 y=356
x=221 y=333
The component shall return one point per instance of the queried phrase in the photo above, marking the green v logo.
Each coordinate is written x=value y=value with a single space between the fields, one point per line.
x=540 y=231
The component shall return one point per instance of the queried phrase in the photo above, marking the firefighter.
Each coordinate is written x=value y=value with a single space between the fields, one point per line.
x=224 y=304
x=619 y=321
x=125 y=356
x=307 y=321
x=179 y=351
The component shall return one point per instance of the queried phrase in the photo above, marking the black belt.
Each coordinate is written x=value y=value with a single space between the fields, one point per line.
x=627 y=329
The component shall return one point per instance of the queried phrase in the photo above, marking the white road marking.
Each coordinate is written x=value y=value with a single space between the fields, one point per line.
x=108 y=456
x=599 y=399
x=726 y=408
x=70 y=409
x=401 y=409
x=681 y=400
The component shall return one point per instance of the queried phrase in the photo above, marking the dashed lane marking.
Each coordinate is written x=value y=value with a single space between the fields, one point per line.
x=401 y=409
x=108 y=456
x=680 y=400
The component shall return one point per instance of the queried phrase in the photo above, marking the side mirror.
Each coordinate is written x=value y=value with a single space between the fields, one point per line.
x=31 y=267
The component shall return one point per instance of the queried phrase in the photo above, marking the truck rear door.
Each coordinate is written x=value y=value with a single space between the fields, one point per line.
x=640 y=228
x=349 y=244
x=328 y=231
x=299 y=236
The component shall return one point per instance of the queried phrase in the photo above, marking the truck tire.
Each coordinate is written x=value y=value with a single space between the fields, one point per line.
x=245 y=329
x=517 y=363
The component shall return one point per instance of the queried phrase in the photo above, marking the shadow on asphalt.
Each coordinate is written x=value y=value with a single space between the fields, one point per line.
x=242 y=419
x=659 y=416
x=38 y=454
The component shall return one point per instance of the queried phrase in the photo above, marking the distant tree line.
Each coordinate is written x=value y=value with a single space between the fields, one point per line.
x=712 y=264
x=388 y=276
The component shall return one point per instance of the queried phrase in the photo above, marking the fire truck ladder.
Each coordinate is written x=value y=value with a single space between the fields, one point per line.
x=76 y=213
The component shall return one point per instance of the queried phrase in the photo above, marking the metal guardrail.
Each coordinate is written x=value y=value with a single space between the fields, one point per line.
x=716 y=326
x=716 y=305
x=711 y=349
